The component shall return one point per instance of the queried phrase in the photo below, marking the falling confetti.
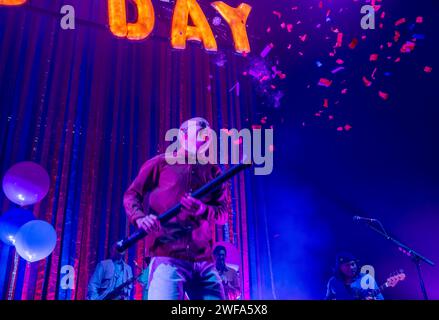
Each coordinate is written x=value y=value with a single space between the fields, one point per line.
x=400 y=22
x=267 y=50
x=352 y=58
x=383 y=95
x=325 y=82
x=428 y=69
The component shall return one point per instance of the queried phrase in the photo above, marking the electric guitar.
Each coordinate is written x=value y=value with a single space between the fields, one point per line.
x=392 y=281
x=116 y=292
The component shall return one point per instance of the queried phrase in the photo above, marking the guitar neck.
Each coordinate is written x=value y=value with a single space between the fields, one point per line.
x=117 y=291
x=383 y=286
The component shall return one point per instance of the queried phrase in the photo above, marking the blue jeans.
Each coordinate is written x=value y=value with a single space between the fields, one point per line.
x=171 y=279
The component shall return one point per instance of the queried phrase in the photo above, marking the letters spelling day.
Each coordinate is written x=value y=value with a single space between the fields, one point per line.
x=181 y=31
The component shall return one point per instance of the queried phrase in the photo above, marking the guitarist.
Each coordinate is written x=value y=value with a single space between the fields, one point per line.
x=346 y=282
x=181 y=249
x=109 y=275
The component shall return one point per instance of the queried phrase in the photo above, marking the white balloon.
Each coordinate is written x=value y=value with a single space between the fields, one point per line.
x=35 y=240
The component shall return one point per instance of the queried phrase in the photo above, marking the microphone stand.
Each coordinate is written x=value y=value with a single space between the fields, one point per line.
x=415 y=257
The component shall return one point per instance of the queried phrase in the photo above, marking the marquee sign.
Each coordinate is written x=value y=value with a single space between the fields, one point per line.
x=181 y=31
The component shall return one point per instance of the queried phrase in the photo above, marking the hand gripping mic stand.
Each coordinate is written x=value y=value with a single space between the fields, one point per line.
x=211 y=186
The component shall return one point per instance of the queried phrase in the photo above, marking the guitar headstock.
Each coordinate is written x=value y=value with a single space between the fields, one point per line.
x=396 y=277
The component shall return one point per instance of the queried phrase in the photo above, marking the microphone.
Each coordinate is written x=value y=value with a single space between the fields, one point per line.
x=358 y=218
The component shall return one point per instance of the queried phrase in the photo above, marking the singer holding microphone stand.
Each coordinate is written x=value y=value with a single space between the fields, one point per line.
x=181 y=249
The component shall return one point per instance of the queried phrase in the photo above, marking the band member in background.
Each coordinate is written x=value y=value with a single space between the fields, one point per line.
x=181 y=249
x=228 y=275
x=110 y=274
x=346 y=284
x=144 y=278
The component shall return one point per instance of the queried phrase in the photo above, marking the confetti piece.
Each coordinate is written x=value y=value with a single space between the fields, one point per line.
x=339 y=61
x=348 y=127
x=267 y=50
x=336 y=70
x=353 y=43
x=304 y=37
x=264 y=78
x=278 y=14
x=289 y=27
x=373 y=73
x=419 y=20
x=408 y=47
x=383 y=95
x=344 y=91
x=319 y=64
x=325 y=82
x=373 y=57
x=325 y=103
x=339 y=40
x=367 y=82
x=340 y=129
x=400 y=22
x=428 y=69
x=397 y=36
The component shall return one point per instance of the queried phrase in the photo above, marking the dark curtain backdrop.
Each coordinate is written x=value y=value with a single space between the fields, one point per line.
x=91 y=109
